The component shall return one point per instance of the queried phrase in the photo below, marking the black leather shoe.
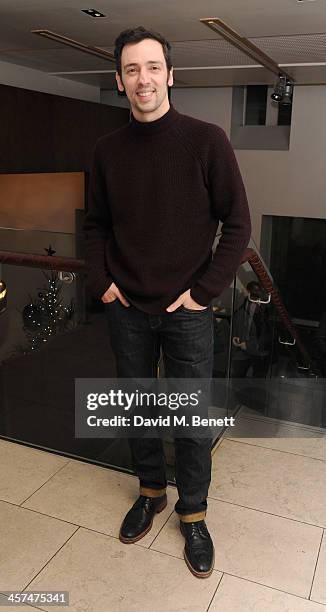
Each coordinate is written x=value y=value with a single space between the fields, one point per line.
x=139 y=520
x=199 y=548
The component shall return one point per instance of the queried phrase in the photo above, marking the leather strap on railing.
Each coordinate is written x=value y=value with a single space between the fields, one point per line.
x=252 y=257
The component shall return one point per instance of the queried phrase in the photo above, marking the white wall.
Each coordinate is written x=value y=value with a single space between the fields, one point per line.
x=291 y=182
x=277 y=182
x=213 y=104
x=36 y=80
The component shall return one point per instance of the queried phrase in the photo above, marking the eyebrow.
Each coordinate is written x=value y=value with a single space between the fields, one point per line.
x=135 y=64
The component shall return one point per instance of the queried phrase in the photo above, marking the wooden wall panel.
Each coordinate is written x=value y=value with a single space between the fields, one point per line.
x=46 y=133
x=41 y=201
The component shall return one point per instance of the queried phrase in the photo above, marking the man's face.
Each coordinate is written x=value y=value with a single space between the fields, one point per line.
x=145 y=79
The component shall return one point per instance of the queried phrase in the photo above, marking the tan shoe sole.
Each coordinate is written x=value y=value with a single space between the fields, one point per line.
x=193 y=571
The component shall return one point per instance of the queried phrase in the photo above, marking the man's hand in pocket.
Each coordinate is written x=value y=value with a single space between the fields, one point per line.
x=185 y=300
x=113 y=293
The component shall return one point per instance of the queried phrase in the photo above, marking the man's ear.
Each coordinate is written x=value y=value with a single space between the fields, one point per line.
x=170 y=79
x=119 y=82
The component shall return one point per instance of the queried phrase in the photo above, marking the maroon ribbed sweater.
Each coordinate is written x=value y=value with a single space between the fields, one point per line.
x=157 y=193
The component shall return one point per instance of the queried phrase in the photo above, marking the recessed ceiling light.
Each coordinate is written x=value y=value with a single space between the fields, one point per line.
x=93 y=13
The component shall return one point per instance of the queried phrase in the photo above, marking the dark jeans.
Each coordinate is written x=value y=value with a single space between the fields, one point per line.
x=186 y=339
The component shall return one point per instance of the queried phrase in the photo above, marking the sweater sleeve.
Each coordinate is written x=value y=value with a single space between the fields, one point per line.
x=229 y=205
x=96 y=229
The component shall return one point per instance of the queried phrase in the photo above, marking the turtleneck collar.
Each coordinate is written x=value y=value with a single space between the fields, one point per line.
x=153 y=127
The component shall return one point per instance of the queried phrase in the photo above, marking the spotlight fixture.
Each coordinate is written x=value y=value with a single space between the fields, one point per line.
x=283 y=91
x=287 y=98
x=279 y=89
x=93 y=13
x=70 y=42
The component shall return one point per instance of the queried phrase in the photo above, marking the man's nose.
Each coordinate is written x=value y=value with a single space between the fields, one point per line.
x=143 y=76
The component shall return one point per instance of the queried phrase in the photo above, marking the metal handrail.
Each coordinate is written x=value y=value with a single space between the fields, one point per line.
x=47 y=262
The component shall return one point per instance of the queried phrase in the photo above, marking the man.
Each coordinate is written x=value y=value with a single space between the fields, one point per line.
x=158 y=188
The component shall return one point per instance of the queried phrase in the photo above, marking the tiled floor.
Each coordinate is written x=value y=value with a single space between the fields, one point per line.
x=59 y=522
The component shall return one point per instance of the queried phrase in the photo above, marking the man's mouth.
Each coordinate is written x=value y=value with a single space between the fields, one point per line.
x=145 y=94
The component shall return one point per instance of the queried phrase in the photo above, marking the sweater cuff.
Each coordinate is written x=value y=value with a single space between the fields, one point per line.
x=201 y=296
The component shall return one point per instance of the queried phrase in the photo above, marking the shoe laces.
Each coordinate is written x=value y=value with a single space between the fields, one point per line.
x=145 y=502
x=198 y=528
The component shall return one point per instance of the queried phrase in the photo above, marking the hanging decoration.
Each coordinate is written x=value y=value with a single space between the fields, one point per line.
x=47 y=315
x=3 y=296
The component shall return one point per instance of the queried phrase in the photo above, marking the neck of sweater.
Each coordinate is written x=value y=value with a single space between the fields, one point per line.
x=144 y=128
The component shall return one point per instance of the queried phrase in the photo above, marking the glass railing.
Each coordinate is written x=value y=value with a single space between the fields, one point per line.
x=272 y=370
x=52 y=332
x=38 y=241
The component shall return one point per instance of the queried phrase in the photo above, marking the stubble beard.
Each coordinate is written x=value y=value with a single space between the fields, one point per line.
x=149 y=108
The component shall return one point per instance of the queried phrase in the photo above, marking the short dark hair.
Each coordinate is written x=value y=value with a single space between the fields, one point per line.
x=255 y=289
x=135 y=35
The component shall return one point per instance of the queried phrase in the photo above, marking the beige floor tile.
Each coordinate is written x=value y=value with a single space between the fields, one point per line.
x=24 y=469
x=28 y=541
x=249 y=544
x=94 y=497
x=299 y=440
x=319 y=586
x=281 y=483
x=237 y=595
x=103 y=574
